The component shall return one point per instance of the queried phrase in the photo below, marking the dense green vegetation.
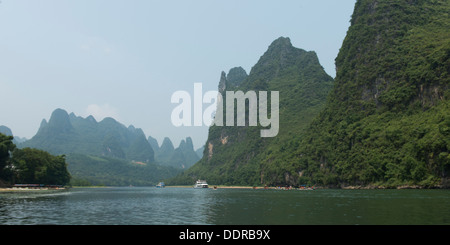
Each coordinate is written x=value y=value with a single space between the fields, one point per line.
x=385 y=123
x=6 y=147
x=387 y=120
x=30 y=166
x=238 y=155
x=100 y=170
x=39 y=167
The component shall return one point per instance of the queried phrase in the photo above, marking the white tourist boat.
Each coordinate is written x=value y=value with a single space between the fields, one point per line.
x=201 y=184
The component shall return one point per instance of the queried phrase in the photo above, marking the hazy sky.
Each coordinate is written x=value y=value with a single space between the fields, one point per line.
x=125 y=59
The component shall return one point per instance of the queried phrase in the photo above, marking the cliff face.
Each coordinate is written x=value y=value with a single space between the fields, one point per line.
x=395 y=54
x=386 y=121
x=238 y=154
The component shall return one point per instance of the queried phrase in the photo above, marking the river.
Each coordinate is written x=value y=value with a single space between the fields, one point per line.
x=188 y=206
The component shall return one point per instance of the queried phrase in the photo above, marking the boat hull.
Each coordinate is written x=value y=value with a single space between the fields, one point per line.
x=201 y=184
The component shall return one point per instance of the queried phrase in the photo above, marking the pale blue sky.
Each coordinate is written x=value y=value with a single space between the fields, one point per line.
x=126 y=58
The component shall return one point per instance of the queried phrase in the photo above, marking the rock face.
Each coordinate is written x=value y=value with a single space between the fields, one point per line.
x=238 y=155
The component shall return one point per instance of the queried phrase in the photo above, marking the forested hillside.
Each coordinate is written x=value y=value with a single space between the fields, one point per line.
x=239 y=155
x=100 y=170
x=385 y=123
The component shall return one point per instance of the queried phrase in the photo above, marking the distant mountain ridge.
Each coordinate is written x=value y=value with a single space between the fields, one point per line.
x=184 y=156
x=66 y=133
x=108 y=152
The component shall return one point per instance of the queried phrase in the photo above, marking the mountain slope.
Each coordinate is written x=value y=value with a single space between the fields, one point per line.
x=64 y=134
x=238 y=155
x=387 y=119
x=181 y=157
x=101 y=170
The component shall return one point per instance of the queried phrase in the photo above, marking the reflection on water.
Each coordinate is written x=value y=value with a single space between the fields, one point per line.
x=188 y=206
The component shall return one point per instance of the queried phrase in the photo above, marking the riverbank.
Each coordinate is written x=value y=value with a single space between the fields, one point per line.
x=402 y=187
x=244 y=187
x=216 y=186
x=15 y=189
x=369 y=187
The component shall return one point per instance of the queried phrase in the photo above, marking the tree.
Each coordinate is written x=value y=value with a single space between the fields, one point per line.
x=35 y=166
x=6 y=147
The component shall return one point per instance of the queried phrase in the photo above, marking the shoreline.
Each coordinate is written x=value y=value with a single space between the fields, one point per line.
x=231 y=187
x=29 y=190
x=404 y=187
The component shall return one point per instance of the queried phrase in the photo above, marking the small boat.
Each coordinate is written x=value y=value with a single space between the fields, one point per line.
x=201 y=184
x=160 y=185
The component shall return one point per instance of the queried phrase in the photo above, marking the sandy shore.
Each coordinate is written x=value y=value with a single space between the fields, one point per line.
x=210 y=187
x=224 y=187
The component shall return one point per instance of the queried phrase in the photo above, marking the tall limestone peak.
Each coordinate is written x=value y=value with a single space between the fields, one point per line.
x=140 y=149
x=167 y=145
x=154 y=143
x=282 y=44
x=279 y=50
x=186 y=144
x=189 y=143
x=281 y=59
x=183 y=156
x=383 y=123
x=236 y=76
x=232 y=80
x=60 y=122
x=238 y=155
